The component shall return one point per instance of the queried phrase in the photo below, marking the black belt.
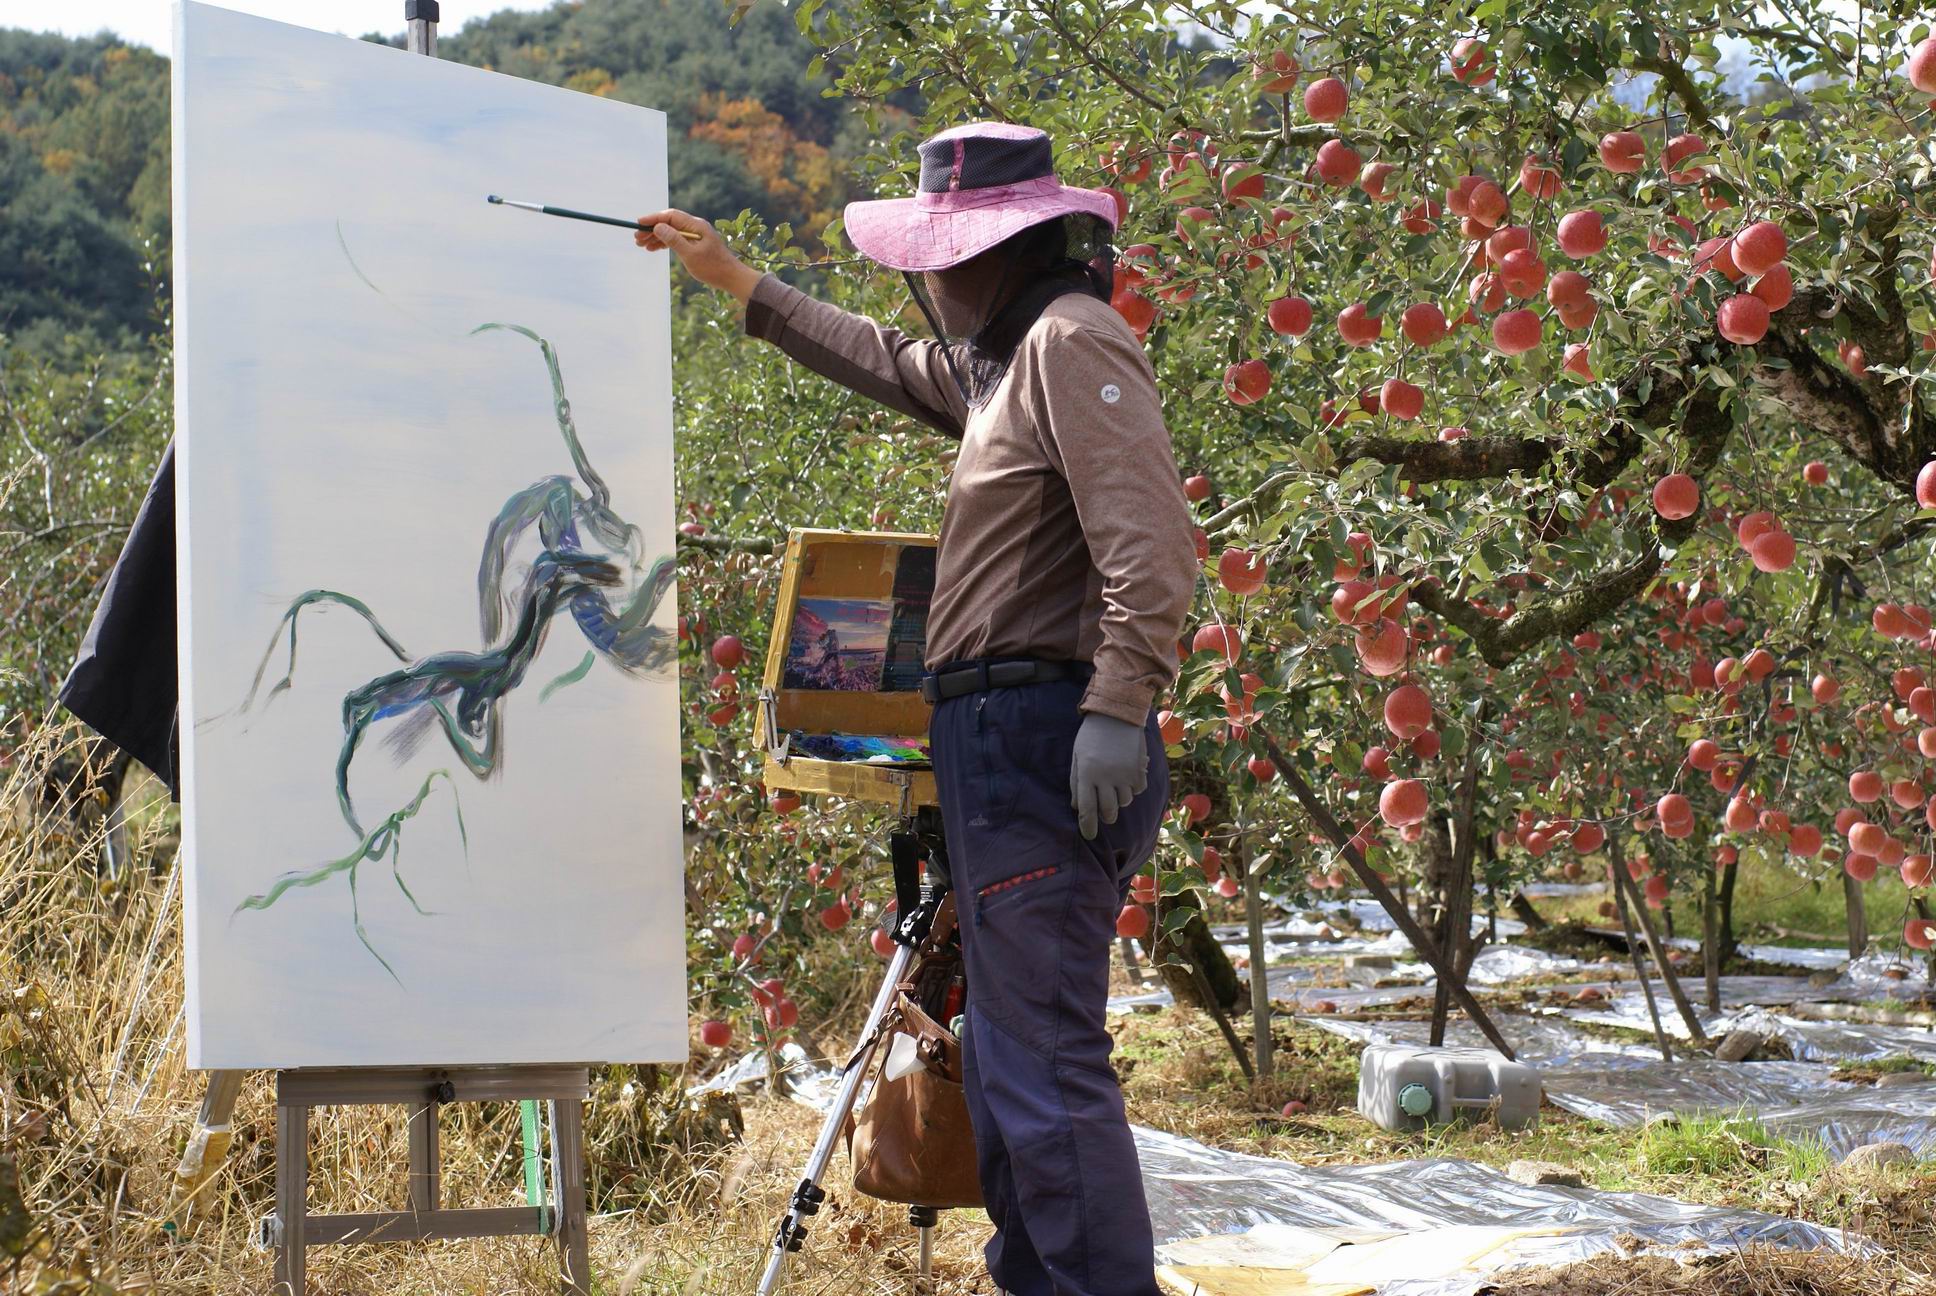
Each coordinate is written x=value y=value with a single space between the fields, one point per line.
x=961 y=678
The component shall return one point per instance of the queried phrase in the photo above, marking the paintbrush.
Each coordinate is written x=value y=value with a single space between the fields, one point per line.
x=689 y=235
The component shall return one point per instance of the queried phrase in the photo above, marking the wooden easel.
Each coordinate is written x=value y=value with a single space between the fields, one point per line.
x=291 y=1230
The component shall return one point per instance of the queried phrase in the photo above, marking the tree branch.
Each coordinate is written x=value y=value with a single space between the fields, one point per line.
x=1676 y=78
x=1467 y=459
x=731 y=544
x=1704 y=427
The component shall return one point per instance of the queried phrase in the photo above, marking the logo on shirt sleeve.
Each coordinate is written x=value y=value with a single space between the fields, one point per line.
x=1111 y=393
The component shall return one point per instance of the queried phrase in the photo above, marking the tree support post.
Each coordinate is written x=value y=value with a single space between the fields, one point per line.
x=1639 y=965
x=1624 y=883
x=1260 y=1004
x=1370 y=880
x=1456 y=921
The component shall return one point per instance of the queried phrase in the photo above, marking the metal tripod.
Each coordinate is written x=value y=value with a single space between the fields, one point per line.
x=918 y=900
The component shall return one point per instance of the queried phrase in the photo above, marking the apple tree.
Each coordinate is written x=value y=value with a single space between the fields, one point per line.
x=1556 y=378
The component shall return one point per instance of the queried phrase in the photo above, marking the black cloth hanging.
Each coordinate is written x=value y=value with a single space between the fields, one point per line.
x=124 y=683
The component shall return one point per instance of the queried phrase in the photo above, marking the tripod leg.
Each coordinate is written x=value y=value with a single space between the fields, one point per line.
x=923 y=1218
x=792 y=1232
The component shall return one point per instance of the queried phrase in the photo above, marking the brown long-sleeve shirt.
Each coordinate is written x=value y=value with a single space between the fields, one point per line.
x=1066 y=534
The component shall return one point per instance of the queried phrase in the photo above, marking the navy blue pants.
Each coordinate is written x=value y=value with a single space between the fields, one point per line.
x=1038 y=908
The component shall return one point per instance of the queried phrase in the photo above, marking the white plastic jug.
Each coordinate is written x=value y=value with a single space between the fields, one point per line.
x=1412 y=1086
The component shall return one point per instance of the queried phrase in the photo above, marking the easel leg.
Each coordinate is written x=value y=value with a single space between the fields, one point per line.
x=208 y=1146
x=426 y=1160
x=292 y=1197
x=568 y=1177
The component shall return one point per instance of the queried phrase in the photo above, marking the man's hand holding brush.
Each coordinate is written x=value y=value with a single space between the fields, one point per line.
x=706 y=257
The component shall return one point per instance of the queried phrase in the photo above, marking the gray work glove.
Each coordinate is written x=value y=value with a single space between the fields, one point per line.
x=1111 y=766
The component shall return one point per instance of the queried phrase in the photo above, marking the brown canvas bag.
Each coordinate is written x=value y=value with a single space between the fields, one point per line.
x=912 y=1142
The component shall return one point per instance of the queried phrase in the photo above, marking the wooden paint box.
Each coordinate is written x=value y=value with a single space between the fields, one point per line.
x=840 y=705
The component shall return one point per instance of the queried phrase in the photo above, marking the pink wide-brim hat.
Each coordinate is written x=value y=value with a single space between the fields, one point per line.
x=980 y=184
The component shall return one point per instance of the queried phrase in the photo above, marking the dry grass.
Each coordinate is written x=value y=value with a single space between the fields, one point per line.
x=95 y=1106
x=1757 y=1272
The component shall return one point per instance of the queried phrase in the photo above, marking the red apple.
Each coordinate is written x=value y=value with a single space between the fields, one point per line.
x=728 y=652
x=1382 y=647
x=1338 y=163
x=1760 y=247
x=1408 y=711
x=1569 y=289
x=1275 y=72
x=715 y=1034
x=1624 y=152
x=1743 y=319
x=1241 y=182
x=1138 y=311
x=1241 y=571
x=1776 y=288
x=1539 y=178
x=1359 y=328
x=1678 y=150
x=1773 y=551
x=1218 y=637
x=1290 y=316
x=1677 y=496
x=1516 y=332
x=1921 y=71
x=1487 y=204
x=1401 y=399
x=1423 y=324
x=1403 y=802
x=1325 y=100
x=1469 y=61
x=1246 y=382
x=1196 y=489
x=1581 y=234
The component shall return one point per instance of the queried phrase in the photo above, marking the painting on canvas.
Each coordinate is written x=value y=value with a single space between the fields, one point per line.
x=429 y=694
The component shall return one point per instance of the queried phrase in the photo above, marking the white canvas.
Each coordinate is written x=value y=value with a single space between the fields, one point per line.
x=342 y=427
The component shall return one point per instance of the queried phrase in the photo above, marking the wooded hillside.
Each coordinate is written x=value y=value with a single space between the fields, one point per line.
x=84 y=153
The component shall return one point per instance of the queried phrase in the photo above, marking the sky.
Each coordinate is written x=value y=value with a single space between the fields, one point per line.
x=152 y=22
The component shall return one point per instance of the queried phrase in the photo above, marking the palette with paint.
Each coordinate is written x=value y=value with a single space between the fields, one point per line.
x=840 y=709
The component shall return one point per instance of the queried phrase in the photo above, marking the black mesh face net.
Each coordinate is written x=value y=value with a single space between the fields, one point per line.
x=1071 y=253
